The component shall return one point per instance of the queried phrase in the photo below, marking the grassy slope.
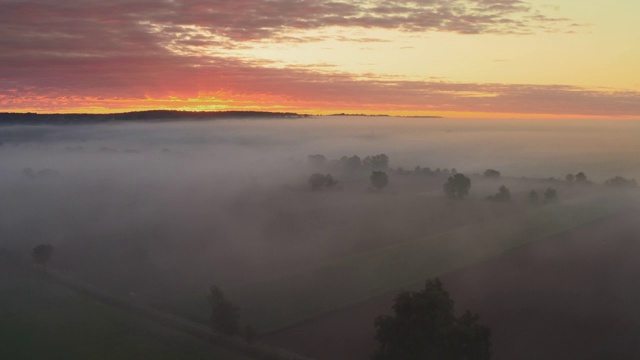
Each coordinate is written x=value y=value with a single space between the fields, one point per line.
x=40 y=319
x=285 y=301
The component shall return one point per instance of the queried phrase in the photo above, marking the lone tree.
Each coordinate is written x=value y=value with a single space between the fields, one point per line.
x=317 y=181
x=41 y=254
x=317 y=160
x=224 y=314
x=491 y=173
x=503 y=195
x=457 y=186
x=550 y=195
x=581 y=178
x=329 y=181
x=379 y=179
x=424 y=326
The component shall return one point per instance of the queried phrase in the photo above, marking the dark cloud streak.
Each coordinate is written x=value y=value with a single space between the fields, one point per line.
x=74 y=51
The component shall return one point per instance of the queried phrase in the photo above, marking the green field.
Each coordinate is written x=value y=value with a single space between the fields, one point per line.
x=288 y=300
x=40 y=319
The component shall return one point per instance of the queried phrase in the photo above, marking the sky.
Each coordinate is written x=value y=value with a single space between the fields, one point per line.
x=455 y=58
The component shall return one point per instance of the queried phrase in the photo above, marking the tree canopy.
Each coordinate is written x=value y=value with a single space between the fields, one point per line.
x=225 y=316
x=379 y=179
x=503 y=195
x=457 y=186
x=491 y=173
x=621 y=182
x=551 y=195
x=424 y=326
x=318 y=181
x=376 y=162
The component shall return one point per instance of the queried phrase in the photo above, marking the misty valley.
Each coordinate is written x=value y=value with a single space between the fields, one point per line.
x=309 y=228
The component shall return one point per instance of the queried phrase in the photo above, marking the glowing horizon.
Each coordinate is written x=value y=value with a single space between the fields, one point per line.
x=459 y=58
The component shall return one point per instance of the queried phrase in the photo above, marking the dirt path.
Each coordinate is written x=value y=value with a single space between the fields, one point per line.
x=574 y=295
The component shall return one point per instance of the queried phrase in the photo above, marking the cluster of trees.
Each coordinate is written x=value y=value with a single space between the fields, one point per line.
x=437 y=172
x=621 y=182
x=424 y=326
x=579 y=178
x=550 y=195
x=318 y=181
x=353 y=163
x=225 y=317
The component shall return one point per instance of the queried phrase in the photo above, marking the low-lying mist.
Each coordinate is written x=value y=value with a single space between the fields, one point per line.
x=166 y=207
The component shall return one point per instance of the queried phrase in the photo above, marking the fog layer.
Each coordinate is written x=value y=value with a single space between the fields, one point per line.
x=159 y=210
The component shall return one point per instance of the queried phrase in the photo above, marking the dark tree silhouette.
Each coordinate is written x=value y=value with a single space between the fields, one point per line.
x=424 y=326
x=317 y=160
x=621 y=182
x=581 y=178
x=550 y=195
x=457 y=186
x=376 y=162
x=41 y=254
x=224 y=314
x=533 y=197
x=491 y=173
x=354 y=163
x=317 y=181
x=503 y=195
x=379 y=179
x=329 y=181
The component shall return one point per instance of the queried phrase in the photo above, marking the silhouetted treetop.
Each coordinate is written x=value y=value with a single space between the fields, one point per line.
x=376 y=162
x=491 y=173
x=457 y=186
x=581 y=178
x=621 y=182
x=318 y=181
x=424 y=326
x=503 y=195
x=379 y=179
x=317 y=160
x=224 y=314
x=551 y=195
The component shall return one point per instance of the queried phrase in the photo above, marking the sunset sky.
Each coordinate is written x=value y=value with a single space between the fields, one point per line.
x=467 y=58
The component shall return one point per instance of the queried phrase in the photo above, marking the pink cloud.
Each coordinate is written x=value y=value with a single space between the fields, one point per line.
x=74 y=53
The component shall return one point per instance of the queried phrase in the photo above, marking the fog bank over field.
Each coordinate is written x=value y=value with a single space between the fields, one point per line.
x=173 y=207
x=600 y=148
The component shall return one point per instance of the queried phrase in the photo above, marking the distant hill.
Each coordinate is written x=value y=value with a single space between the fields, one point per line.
x=387 y=115
x=151 y=116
